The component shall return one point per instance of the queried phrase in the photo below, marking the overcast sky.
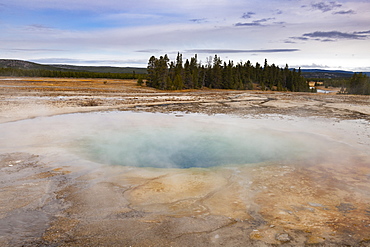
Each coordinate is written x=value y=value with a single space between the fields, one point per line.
x=301 y=33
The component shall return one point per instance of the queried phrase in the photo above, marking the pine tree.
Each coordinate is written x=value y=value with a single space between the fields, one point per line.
x=359 y=84
x=216 y=74
x=194 y=71
x=152 y=74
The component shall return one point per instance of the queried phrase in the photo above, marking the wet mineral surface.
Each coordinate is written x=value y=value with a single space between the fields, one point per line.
x=54 y=194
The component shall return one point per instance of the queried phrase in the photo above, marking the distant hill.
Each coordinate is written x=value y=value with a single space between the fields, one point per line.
x=20 y=64
x=100 y=69
x=326 y=74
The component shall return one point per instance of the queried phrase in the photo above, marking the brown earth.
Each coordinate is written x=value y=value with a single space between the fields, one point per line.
x=44 y=202
x=30 y=97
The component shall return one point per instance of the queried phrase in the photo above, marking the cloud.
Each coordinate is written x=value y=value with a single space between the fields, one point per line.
x=313 y=65
x=334 y=35
x=149 y=51
x=300 y=38
x=38 y=27
x=201 y=20
x=190 y=8
x=111 y=29
x=362 y=32
x=279 y=12
x=248 y=15
x=325 y=6
x=91 y=61
x=216 y=51
x=130 y=16
x=239 y=24
x=254 y=23
x=263 y=20
x=331 y=36
x=348 y=12
x=33 y=50
x=326 y=40
x=362 y=69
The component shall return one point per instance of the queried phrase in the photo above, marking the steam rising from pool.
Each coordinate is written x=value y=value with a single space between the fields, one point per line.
x=180 y=143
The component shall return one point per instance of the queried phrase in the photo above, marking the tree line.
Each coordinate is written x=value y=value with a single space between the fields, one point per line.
x=218 y=74
x=63 y=74
x=358 y=84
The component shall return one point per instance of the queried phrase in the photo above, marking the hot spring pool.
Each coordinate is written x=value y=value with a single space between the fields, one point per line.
x=169 y=140
x=174 y=142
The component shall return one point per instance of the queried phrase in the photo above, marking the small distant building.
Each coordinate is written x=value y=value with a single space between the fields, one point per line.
x=315 y=83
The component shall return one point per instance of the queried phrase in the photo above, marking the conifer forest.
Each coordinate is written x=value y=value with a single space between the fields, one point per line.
x=218 y=74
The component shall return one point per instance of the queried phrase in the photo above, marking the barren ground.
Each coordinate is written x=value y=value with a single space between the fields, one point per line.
x=46 y=203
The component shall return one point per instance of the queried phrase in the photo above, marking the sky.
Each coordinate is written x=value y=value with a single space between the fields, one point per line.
x=301 y=33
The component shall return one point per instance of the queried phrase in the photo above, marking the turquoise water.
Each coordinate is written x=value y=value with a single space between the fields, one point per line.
x=193 y=145
x=168 y=141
